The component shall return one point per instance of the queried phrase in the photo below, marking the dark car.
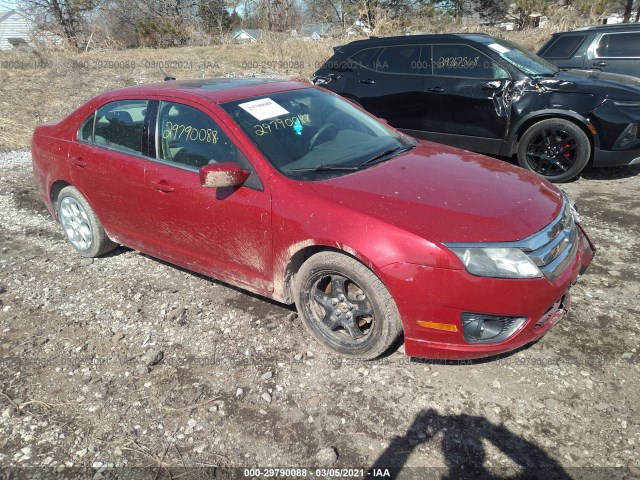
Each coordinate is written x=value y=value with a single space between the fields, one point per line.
x=490 y=96
x=370 y=232
x=607 y=48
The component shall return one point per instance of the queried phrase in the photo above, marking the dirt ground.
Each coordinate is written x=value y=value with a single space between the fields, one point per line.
x=125 y=361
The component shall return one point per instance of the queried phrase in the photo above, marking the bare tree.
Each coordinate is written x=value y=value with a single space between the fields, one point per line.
x=64 y=17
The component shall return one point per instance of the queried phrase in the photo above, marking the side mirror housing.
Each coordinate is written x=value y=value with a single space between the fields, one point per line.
x=223 y=174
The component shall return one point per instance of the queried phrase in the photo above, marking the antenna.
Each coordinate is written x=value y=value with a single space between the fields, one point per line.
x=167 y=78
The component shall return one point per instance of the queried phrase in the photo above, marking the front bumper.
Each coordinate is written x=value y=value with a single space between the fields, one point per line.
x=439 y=296
x=615 y=158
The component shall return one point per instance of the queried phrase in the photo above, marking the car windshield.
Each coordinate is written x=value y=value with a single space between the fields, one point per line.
x=520 y=58
x=309 y=133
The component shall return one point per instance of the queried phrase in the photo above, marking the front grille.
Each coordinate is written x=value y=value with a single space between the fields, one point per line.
x=552 y=248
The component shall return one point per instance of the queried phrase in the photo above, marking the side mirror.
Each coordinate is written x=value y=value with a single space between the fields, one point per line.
x=492 y=85
x=223 y=174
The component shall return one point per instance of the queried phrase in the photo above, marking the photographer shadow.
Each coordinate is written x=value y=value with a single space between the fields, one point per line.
x=462 y=439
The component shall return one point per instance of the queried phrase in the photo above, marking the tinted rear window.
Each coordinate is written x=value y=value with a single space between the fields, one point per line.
x=563 y=47
x=400 y=59
x=619 y=45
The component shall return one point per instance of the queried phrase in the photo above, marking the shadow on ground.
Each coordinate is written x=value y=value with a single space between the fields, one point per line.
x=462 y=439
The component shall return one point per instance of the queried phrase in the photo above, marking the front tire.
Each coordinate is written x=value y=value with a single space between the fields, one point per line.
x=81 y=225
x=345 y=306
x=556 y=149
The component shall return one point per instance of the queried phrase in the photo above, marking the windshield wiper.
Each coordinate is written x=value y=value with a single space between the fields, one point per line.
x=326 y=167
x=382 y=156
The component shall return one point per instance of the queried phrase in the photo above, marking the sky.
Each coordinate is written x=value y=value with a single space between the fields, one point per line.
x=7 y=4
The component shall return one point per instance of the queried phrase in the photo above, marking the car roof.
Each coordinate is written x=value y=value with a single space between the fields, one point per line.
x=607 y=27
x=217 y=90
x=379 y=41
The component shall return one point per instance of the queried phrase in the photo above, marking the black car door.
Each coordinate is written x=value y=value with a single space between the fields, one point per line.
x=471 y=92
x=391 y=86
x=616 y=52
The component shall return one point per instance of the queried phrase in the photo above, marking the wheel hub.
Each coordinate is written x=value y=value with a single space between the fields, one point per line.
x=76 y=223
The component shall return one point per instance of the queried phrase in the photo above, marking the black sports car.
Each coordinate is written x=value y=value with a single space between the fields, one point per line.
x=491 y=96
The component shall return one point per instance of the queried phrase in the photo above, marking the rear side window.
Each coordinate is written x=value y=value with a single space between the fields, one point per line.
x=403 y=59
x=564 y=46
x=363 y=57
x=120 y=125
x=85 y=132
x=619 y=45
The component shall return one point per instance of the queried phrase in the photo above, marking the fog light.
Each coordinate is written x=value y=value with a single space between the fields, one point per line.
x=480 y=328
x=629 y=135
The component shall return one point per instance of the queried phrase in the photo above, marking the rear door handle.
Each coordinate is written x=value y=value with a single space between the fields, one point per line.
x=367 y=81
x=79 y=162
x=162 y=186
x=601 y=63
x=435 y=89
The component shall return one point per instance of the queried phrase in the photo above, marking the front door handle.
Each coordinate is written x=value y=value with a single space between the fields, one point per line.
x=162 y=186
x=367 y=81
x=435 y=89
x=79 y=162
x=601 y=63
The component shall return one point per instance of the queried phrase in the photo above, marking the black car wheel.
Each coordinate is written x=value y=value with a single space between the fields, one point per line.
x=555 y=149
x=345 y=306
x=81 y=225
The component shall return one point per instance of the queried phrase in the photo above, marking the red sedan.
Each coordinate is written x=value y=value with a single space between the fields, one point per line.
x=291 y=192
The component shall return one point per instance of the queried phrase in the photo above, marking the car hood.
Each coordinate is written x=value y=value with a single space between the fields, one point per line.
x=619 y=87
x=445 y=194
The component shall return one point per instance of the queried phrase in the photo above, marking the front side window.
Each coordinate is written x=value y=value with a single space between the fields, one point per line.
x=120 y=125
x=458 y=60
x=619 y=45
x=191 y=138
x=307 y=134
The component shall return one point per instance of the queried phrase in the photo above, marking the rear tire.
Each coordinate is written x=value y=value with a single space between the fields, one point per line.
x=345 y=306
x=556 y=149
x=81 y=225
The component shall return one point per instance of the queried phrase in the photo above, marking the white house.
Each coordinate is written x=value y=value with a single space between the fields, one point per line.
x=247 y=35
x=15 y=30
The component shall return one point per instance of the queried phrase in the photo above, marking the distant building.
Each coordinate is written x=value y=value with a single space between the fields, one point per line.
x=316 y=31
x=15 y=30
x=359 y=27
x=611 y=19
x=247 y=35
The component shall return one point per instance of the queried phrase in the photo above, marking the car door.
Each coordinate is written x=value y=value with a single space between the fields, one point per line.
x=107 y=166
x=469 y=89
x=616 y=52
x=224 y=232
x=392 y=86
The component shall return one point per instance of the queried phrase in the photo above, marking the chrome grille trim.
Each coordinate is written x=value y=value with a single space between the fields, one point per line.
x=550 y=249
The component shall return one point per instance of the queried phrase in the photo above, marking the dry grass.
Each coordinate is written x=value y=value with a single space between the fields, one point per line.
x=40 y=86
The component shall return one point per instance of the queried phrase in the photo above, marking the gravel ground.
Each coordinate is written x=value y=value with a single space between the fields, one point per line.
x=127 y=361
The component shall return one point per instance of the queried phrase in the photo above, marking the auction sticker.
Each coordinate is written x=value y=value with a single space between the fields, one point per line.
x=263 y=108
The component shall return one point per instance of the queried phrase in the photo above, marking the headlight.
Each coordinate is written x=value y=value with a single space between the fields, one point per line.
x=497 y=262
